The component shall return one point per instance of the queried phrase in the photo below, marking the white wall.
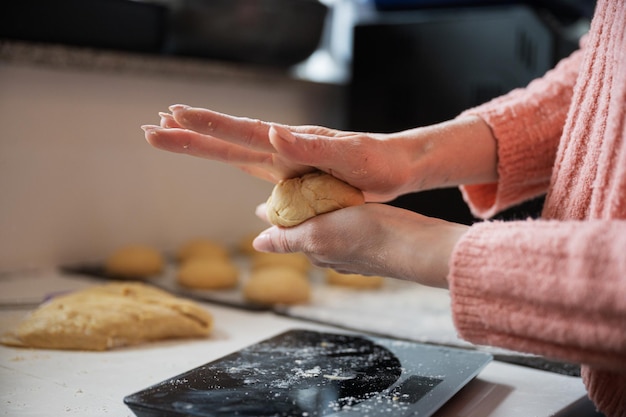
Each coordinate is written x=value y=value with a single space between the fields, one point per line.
x=77 y=178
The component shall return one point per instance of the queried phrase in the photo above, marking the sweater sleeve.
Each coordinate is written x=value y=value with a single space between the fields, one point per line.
x=556 y=288
x=527 y=124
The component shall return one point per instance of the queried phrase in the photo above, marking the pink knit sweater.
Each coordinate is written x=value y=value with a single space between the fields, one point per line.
x=556 y=286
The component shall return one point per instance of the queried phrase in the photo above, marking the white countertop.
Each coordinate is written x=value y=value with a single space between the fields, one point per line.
x=54 y=383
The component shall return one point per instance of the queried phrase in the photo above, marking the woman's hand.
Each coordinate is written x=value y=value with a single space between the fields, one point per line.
x=273 y=152
x=383 y=166
x=372 y=239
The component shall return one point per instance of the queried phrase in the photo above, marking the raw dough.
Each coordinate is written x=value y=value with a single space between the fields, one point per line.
x=277 y=285
x=298 y=199
x=353 y=280
x=208 y=274
x=108 y=316
x=295 y=260
x=201 y=248
x=134 y=262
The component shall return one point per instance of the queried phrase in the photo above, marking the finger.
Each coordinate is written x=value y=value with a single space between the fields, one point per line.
x=249 y=133
x=334 y=153
x=262 y=172
x=203 y=146
x=261 y=212
x=167 y=120
x=288 y=240
x=345 y=155
x=264 y=242
x=314 y=149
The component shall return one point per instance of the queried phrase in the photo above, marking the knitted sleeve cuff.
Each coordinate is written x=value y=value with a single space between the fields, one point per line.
x=527 y=124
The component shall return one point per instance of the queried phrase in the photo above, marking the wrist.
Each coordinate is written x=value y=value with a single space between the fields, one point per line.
x=432 y=265
x=420 y=248
x=452 y=153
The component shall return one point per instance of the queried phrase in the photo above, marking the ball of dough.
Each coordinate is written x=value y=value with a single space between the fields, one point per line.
x=356 y=281
x=298 y=199
x=201 y=248
x=277 y=285
x=296 y=260
x=134 y=262
x=208 y=274
x=109 y=316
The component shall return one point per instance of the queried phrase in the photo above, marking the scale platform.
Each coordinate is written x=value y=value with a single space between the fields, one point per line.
x=312 y=374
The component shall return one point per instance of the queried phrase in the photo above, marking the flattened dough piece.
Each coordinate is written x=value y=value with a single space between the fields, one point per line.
x=134 y=262
x=277 y=285
x=356 y=281
x=296 y=200
x=108 y=316
x=208 y=274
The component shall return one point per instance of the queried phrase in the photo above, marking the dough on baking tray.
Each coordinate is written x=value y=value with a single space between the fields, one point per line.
x=109 y=316
x=294 y=260
x=208 y=274
x=277 y=285
x=298 y=199
x=356 y=281
x=201 y=248
x=134 y=262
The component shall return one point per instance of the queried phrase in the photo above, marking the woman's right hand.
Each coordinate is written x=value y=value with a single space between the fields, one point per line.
x=383 y=166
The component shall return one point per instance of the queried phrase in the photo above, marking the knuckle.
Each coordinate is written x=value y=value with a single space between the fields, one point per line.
x=282 y=243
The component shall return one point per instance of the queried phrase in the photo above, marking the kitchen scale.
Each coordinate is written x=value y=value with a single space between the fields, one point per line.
x=312 y=374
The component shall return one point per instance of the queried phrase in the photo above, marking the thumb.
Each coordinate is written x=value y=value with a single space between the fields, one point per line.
x=274 y=239
x=302 y=148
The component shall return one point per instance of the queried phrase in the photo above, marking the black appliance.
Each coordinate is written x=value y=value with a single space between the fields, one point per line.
x=421 y=66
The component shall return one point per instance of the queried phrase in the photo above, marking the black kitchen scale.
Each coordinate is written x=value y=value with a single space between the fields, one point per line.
x=312 y=374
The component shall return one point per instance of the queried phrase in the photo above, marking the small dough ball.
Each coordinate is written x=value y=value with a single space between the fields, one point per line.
x=208 y=274
x=134 y=262
x=201 y=248
x=277 y=285
x=296 y=260
x=356 y=281
x=298 y=199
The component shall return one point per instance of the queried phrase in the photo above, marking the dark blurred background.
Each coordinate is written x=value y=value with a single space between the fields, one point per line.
x=421 y=62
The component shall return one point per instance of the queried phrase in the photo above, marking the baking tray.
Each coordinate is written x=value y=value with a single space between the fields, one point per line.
x=384 y=311
x=167 y=281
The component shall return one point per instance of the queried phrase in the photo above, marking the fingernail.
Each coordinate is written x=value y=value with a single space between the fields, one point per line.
x=284 y=133
x=149 y=128
x=175 y=107
x=166 y=119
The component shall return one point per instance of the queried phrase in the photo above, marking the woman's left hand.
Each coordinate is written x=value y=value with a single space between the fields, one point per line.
x=371 y=239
